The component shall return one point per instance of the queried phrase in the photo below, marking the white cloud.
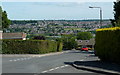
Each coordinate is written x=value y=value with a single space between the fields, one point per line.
x=58 y=1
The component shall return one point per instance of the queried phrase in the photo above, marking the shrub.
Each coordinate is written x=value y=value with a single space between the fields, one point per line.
x=39 y=38
x=107 y=45
x=69 y=41
x=29 y=46
x=84 y=36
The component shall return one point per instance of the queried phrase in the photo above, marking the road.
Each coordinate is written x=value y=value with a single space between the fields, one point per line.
x=51 y=63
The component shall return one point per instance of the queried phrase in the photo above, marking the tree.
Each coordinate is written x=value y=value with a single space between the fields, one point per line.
x=5 y=21
x=116 y=21
x=84 y=36
x=0 y=18
x=3 y=17
x=69 y=42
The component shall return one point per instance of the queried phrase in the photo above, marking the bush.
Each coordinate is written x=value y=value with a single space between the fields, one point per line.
x=39 y=38
x=69 y=42
x=84 y=36
x=29 y=46
x=107 y=45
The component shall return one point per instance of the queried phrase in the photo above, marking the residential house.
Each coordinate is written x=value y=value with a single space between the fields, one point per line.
x=14 y=36
x=88 y=43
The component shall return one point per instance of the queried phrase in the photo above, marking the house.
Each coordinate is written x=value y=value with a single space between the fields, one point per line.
x=89 y=43
x=14 y=36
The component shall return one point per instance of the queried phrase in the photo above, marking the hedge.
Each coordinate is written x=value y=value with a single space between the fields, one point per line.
x=30 y=46
x=107 y=45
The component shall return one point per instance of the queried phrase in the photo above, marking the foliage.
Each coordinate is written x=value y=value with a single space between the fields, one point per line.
x=116 y=21
x=69 y=41
x=0 y=18
x=84 y=36
x=30 y=46
x=107 y=45
x=109 y=29
x=39 y=38
x=5 y=21
x=34 y=22
x=59 y=46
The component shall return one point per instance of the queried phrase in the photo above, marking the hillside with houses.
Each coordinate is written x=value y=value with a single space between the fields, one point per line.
x=55 y=27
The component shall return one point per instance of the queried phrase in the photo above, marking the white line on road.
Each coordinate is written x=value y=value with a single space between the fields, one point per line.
x=82 y=60
x=44 y=71
x=21 y=59
x=57 y=67
x=54 y=69
x=14 y=60
x=51 y=69
x=33 y=56
x=10 y=60
x=18 y=59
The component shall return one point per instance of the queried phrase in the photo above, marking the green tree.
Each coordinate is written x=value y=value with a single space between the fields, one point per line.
x=69 y=42
x=116 y=21
x=84 y=36
x=4 y=21
x=0 y=18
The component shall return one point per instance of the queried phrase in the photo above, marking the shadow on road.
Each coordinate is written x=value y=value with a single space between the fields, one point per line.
x=95 y=64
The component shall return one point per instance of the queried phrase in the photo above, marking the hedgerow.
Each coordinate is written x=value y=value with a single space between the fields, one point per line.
x=29 y=46
x=107 y=45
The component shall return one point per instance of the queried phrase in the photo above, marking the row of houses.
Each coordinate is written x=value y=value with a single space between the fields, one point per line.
x=13 y=36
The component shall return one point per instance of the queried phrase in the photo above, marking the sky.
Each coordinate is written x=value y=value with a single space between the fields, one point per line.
x=57 y=9
x=58 y=0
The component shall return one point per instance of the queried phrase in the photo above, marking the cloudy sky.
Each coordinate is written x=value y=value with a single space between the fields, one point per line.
x=57 y=9
x=58 y=0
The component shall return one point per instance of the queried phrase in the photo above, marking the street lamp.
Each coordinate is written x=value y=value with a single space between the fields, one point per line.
x=100 y=14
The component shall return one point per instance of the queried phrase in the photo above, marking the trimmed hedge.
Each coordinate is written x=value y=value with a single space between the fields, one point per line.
x=107 y=45
x=30 y=46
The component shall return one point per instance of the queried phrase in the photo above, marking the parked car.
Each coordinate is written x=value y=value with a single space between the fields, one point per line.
x=84 y=49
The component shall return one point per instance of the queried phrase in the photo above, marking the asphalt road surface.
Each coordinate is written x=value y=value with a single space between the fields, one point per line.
x=51 y=63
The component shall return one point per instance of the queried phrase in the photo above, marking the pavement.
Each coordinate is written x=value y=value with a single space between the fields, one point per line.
x=72 y=61
x=98 y=66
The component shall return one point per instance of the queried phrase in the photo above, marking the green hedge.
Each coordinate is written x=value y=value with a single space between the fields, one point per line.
x=30 y=46
x=107 y=45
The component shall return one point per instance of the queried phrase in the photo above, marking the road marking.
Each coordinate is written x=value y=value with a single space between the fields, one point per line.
x=10 y=60
x=14 y=60
x=21 y=59
x=18 y=59
x=62 y=66
x=57 y=67
x=51 y=69
x=44 y=71
x=39 y=56
x=54 y=69
x=66 y=65
x=81 y=60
